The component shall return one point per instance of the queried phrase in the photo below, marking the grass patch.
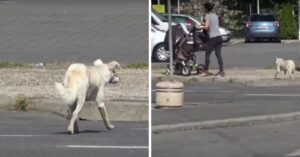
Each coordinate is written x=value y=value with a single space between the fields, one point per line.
x=271 y=67
x=137 y=66
x=231 y=80
x=11 y=65
x=193 y=80
x=22 y=104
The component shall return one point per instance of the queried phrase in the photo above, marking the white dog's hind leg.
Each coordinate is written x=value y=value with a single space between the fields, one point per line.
x=80 y=103
x=72 y=108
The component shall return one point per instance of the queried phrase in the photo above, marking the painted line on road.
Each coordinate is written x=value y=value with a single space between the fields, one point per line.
x=231 y=122
x=294 y=153
x=274 y=95
x=22 y=135
x=205 y=91
x=104 y=147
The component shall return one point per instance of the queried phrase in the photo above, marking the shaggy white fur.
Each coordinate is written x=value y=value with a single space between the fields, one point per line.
x=287 y=66
x=83 y=83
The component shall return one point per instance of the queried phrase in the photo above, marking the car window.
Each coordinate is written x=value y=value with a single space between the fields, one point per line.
x=160 y=16
x=178 y=20
x=153 y=22
x=262 y=18
x=185 y=20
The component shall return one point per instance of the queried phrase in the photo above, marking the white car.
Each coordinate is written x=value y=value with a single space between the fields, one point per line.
x=159 y=53
x=190 y=21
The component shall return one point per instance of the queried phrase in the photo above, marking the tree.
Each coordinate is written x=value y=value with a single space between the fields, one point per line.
x=288 y=22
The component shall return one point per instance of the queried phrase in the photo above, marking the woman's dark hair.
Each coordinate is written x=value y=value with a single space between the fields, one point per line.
x=208 y=6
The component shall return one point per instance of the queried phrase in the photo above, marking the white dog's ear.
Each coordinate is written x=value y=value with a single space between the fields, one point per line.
x=98 y=62
x=113 y=65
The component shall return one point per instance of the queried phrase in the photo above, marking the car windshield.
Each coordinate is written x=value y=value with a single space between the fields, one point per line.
x=267 y=18
x=160 y=16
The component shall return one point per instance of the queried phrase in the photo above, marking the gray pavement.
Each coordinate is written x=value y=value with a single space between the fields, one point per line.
x=217 y=101
x=40 y=134
x=74 y=30
x=271 y=140
x=252 y=55
x=260 y=55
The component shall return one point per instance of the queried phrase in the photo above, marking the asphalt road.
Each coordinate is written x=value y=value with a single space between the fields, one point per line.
x=253 y=55
x=215 y=101
x=40 y=134
x=74 y=30
x=272 y=140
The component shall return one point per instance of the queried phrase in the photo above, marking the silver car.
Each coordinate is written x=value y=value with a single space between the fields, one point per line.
x=189 y=21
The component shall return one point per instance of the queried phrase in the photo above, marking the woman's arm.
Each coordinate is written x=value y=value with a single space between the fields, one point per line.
x=205 y=26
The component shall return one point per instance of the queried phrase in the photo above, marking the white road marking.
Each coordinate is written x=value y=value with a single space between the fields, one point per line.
x=205 y=91
x=22 y=135
x=274 y=95
x=294 y=153
x=104 y=147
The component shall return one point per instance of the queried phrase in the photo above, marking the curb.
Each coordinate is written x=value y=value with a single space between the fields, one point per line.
x=117 y=111
x=240 y=40
x=232 y=122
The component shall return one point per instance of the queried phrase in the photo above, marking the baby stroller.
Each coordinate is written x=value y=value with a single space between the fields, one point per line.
x=185 y=44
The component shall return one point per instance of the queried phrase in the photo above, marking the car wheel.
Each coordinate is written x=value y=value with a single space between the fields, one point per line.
x=160 y=54
x=278 y=40
x=247 y=40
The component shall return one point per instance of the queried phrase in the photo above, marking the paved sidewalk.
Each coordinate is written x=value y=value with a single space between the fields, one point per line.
x=212 y=105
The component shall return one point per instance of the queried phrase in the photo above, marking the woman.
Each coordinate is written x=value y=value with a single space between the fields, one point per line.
x=215 y=40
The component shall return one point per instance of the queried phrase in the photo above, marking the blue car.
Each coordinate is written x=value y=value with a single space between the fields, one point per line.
x=262 y=26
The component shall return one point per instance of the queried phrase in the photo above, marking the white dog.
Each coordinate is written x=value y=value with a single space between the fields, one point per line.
x=285 y=66
x=83 y=83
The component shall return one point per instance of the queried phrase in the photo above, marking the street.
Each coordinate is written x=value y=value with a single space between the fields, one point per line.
x=214 y=101
x=41 y=134
x=209 y=104
x=254 y=55
x=270 y=140
x=34 y=31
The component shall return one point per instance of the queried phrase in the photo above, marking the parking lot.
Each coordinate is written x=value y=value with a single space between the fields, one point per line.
x=34 y=31
x=41 y=134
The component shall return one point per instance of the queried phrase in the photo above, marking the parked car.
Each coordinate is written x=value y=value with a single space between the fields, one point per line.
x=189 y=21
x=159 y=53
x=262 y=26
x=159 y=21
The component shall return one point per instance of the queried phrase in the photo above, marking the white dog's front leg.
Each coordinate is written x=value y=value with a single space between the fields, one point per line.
x=102 y=108
x=104 y=115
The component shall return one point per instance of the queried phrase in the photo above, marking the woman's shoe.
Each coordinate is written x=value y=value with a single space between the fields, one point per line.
x=220 y=74
x=206 y=73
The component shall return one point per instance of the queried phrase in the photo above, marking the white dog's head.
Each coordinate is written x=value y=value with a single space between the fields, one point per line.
x=112 y=66
x=98 y=62
x=278 y=60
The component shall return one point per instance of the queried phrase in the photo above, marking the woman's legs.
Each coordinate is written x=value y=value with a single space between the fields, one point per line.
x=214 y=44
x=218 y=53
x=207 y=60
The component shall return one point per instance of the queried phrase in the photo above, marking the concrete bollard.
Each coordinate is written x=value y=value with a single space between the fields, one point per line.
x=169 y=94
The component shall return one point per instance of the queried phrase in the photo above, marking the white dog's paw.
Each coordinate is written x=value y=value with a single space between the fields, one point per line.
x=110 y=127
x=71 y=130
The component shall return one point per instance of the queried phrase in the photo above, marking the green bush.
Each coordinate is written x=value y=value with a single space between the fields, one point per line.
x=21 y=104
x=288 y=22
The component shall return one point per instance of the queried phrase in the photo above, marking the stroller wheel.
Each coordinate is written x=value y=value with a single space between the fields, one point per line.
x=177 y=69
x=186 y=71
x=200 y=69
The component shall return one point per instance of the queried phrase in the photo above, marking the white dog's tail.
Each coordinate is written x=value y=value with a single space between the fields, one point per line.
x=66 y=94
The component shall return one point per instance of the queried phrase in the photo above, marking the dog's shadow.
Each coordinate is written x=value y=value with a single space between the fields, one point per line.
x=81 y=132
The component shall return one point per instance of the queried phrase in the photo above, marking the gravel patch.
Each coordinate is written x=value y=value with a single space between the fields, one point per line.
x=39 y=82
